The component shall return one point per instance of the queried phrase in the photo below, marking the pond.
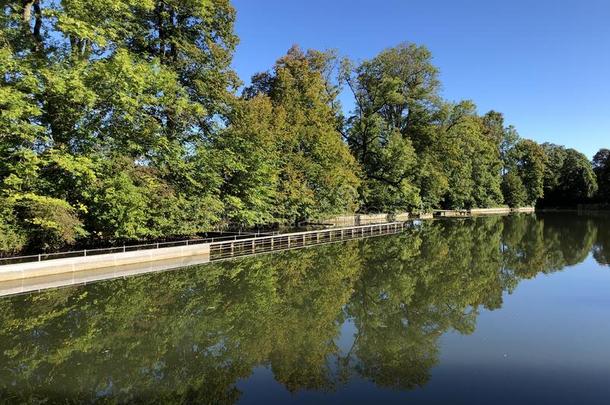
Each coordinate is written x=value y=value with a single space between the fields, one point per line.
x=503 y=309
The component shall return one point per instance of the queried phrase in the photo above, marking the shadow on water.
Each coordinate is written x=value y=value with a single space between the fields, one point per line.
x=190 y=336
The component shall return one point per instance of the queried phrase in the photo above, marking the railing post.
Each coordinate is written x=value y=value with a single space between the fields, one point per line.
x=39 y=257
x=85 y=252
x=123 y=248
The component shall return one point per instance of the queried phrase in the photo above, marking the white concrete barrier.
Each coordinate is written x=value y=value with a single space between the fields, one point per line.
x=490 y=211
x=523 y=209
x=30 y=284
x=76 y=264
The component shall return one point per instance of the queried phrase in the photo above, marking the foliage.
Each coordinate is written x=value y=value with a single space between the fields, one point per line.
x=12 y=237
x=120 y=119
x=569 y=177
x=515 y=194
x=393 y=92
x=601 y=167
x=50 y=223
x=316 y=173
x=107 y=112
x=250 y=168
x=527 y=162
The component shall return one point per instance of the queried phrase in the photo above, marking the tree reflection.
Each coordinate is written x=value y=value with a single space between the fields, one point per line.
x=189 y=336
x=601 y=250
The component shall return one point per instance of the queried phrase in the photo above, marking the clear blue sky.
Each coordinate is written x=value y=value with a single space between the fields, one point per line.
x=544 y=63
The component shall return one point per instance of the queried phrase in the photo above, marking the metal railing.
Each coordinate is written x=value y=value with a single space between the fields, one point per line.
x=129 y=248
x=226 y=249
x=238 y=244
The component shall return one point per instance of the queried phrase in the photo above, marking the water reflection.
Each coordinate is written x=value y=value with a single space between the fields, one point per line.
x=189 y=336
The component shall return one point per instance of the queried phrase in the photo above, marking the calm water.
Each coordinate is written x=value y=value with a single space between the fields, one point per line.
x=491 y=310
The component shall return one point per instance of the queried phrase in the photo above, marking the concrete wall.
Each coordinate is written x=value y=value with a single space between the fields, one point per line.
x=523 y=209
x=425 y=215
x=451 y=213
x=76 y=264
x=24 y=285
x=490 y=211
x=364 y=219
x=404 y=216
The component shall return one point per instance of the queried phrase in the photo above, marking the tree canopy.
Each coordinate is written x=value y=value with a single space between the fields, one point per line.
x=123 y=120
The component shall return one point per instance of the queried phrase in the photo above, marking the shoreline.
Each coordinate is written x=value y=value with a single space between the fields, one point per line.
x=39 y=275
x=35 y=276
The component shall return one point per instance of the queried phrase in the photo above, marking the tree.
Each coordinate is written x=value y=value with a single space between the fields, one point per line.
x=120 y=119
x=469 y=157
x=391 y=175
x=141 y=85
x=601 y=167
x=569 y=177
x=317 y=174
x=251 y=164
x=578 y=182
x=395 y=93
x=555 y=158
x=515 y=194
x=526 y=159
x=400 y=86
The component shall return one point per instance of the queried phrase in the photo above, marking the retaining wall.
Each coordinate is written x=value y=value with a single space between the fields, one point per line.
x=364 y=219
x=75 y=264
x=490 y=211
x=30 y=284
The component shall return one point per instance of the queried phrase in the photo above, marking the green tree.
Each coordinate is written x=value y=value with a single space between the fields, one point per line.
x=119 y=119
x=251 y=162
x=469 y=157
x=396 y=93
x=578 y=182
x=317 y=174
x=569 y=177
x=601 y=167
x=90 y=87
x=515 y=194
x=526 y=159
x=555 y=158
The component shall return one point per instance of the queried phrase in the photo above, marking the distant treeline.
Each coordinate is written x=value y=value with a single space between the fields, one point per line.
x=122 y=119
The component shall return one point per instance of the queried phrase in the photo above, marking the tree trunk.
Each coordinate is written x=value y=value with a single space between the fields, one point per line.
x=37 y=25
x=26 y=14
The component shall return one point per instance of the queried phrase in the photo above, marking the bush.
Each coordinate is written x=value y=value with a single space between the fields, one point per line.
x=12 y=238
x=51 y=223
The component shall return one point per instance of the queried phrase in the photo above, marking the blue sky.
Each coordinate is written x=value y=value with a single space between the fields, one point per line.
x=544 y=63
